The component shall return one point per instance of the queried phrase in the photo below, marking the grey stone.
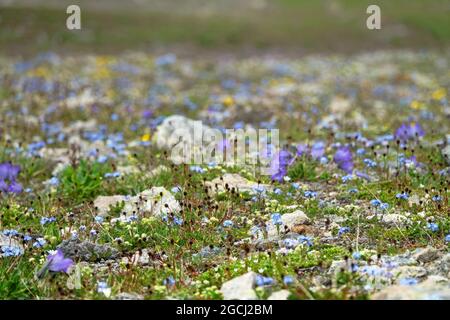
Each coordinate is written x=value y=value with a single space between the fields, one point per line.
x=425 y=255
x=427 y=290
x=240 y=288
x=234 y=180
x=279 y=295
x=87 y=251
x=129 y=296
x=446 y=153
x=290 y=220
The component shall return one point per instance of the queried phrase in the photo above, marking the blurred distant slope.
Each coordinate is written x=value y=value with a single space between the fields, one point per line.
x=30 y=26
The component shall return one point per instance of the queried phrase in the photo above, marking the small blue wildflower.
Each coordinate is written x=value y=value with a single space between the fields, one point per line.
x=39 y=243
x=102 y=159
x=263 y=281
x=11 y=251
x=370 y=163
x=343 y=230
x=93 y=233
x=27 y=238
x=114 y=174
x=259 y=189
x=82 y=228
x=10 y=232
x=375 y=202
x=436 y=198
x=53 y=181
x=433 y=227
x=347 y=178
x=402 y=195
x=310 y=194
x=276 y=218
x=384 y=206
x=177 y=221
x=228 y=223
x=408 y=281
x=47 y=220
x=295 y=185
x=288 y=280
x=99 y=219
x=305 y=240
x=356 y=255
x=197 y=169
x=360 y=151
x=353 y=190
x=278 y=191
x=447 y=238
x=170 y=281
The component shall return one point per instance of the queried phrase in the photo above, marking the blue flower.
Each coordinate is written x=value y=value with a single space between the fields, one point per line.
x=433 y=227
x=197 y=169
x=263 y=281
x=347 y=178
x=54 y=181
x=343 y=230
x=114 y=174
x=402 y=195
x=11 y=251
x=408 y=281
x=170 y=281
x=228 y=223
x=276 y=218
x=295 y=185
x=99 y=219
x=370 y=163
x=10 y=232
x=384 y=206
x=356 y=255
x=343 y=158
x=310 y=194
x=39 y=243
x=177 y=221
x=436 y=198
x=375 y=202
x=305 y=240
x=47 y=220
x=278 y=191
x=447 y=238
x=288 y=280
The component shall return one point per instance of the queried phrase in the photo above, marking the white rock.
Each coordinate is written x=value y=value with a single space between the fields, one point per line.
x=234 y=180
x=394 y=219
x=290 y=220
x=240 y=288
x=103 y=203
x=427 y=290
x=151 y=201
x=279 y=295
x=426 y=254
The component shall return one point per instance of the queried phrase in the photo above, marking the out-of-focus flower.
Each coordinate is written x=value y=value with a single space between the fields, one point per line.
x=409 y=131
x=343 y=158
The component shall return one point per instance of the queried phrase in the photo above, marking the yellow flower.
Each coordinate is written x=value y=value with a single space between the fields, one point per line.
x=416 y=105
x=228 y=101
x=438 y=94
x=146 y=137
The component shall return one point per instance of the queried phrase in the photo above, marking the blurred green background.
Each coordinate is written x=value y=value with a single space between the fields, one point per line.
x=222 y=26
